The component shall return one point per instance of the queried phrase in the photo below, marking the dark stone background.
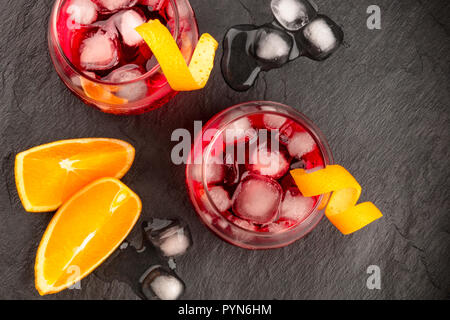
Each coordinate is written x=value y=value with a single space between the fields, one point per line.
x=382 y=101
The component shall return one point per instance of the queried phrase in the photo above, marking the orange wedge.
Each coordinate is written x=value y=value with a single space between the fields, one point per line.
x=178 y=74
x=84 y=232
x=341 y=210
x=49 y=174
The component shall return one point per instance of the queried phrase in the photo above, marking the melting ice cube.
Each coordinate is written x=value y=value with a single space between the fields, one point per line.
x=99 y=49
x=272 y=47
x=321 y=37
x=267 y=162
x=82 y=11
x=172 y=240
x=300 y=144
x=257 y=199
x=293 y=14
x=163 y=284
x=132 y=91
x=126 y=21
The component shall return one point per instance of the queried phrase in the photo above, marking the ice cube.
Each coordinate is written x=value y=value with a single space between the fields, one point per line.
x=293 y=14
x=257 y=199
x=220 y=198
x=295 y=206
x=238 y=130
x=98 y=49
x=131 y=91
x=300 y=144
x=215 y=170
x=82 y=11
x=163 y=284
x=175 y=245
x=155 y=5
x=272 y=47
x=271 y=163
x=172 y=240
x=273 y=121
x=109 y=6
x=126 y=21
x=321 y=37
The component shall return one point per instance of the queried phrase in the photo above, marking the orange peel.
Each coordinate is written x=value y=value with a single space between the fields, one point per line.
x=179 y=76
x=101 y=93
x=342 y=209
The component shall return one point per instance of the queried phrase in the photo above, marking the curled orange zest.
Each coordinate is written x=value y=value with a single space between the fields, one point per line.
x=178 y=74
x=341 y=210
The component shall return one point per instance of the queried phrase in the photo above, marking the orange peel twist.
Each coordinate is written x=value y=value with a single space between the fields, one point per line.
x=342 y=209
x=164 y=47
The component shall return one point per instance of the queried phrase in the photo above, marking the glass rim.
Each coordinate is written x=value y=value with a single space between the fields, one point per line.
x=294 y=115
x=53 y=26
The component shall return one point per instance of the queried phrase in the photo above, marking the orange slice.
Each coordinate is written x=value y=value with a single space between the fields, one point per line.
x=101 y=93
x=178 y=74
x=341 y=210
x=49 y=174
x=84 y=232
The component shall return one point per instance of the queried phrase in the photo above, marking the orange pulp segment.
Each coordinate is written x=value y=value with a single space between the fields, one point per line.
x=179 y=76
x=49 y=174
x=84 y=232
x=341 y=210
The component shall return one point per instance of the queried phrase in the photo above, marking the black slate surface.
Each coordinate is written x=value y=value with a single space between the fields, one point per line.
x=382 y=101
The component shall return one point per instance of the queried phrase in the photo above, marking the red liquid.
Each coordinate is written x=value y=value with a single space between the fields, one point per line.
x=271 y=182
x=74 y=38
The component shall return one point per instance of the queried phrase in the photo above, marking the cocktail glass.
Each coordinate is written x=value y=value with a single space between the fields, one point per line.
x=143 y=93
x=218 y=190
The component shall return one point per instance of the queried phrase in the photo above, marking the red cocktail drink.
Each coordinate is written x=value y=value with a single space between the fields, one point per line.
x=103 y=60
x=238 y=174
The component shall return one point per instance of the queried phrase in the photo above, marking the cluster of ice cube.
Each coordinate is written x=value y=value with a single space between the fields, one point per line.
x=171 y=239
x=317 y=35
x=252 y=190
x=102 y=44
x=298 y=30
